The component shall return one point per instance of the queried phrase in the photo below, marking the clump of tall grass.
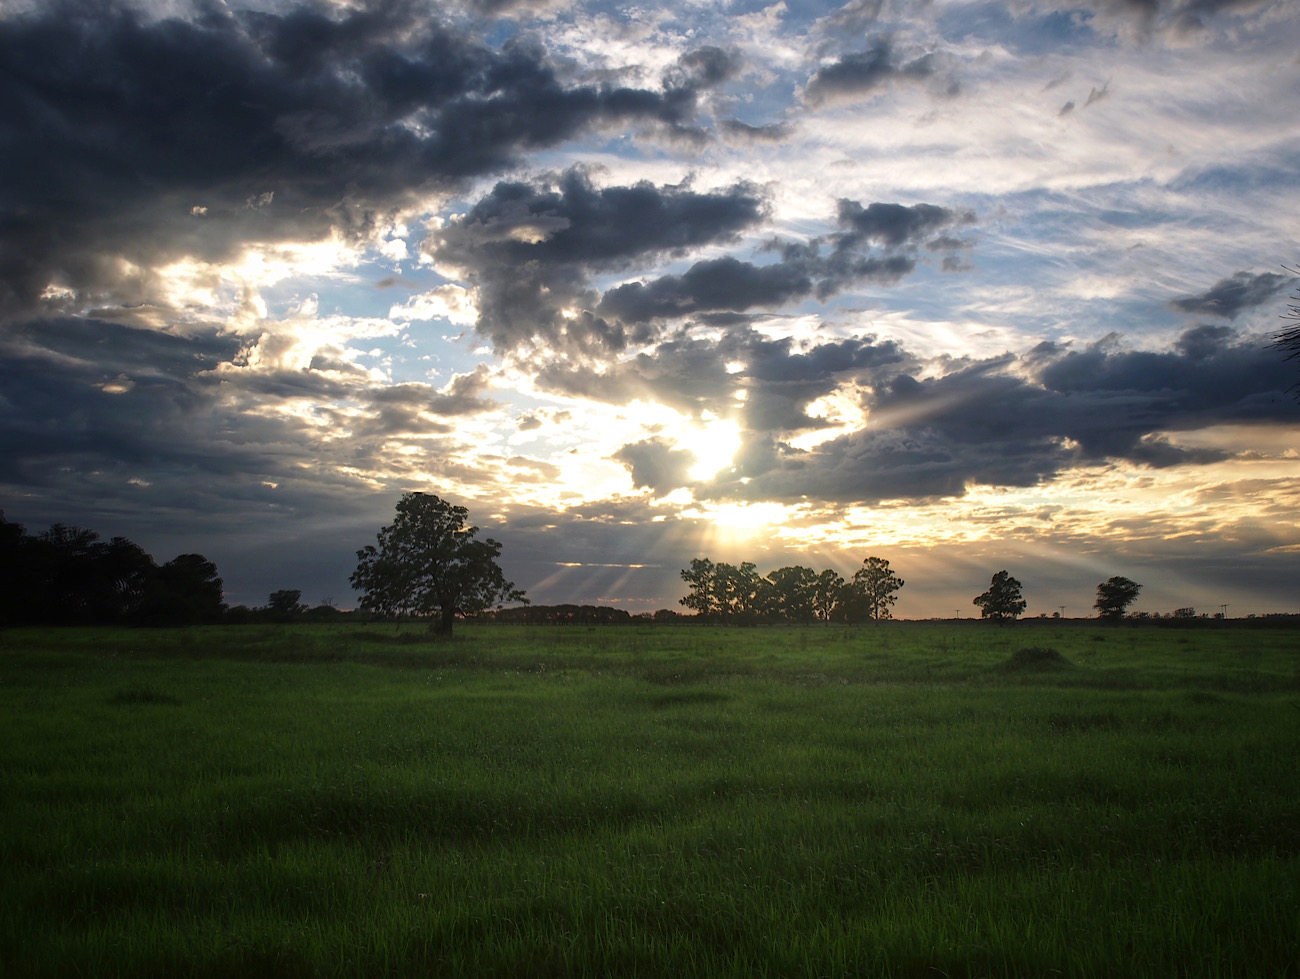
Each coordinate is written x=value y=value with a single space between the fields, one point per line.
x=1036 y=658
x=142 y=695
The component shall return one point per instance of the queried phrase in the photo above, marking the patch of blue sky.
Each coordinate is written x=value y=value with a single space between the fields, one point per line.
x=1030 y=34
x=1256 y=175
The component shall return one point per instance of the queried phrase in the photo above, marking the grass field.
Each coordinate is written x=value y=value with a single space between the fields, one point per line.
x=913 y=799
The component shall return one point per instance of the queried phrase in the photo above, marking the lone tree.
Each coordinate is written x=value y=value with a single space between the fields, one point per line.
x=1114 y=595
x=429 y=563
x=871 y=591
x=1003 y=599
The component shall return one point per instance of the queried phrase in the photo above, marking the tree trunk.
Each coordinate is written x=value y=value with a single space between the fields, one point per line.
x=442 y=625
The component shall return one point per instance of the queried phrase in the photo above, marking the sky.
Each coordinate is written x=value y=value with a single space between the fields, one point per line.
x=969 y=286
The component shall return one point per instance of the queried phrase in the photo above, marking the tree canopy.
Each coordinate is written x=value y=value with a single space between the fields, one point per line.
x=1003 y=600
x=737 y=593
x=428 y=563
x=873 y=589
x=1114 y=595
x=70 y=576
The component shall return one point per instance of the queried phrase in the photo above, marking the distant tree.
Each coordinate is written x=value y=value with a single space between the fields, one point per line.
x=701 y=576
x=1114 y=595
x=429 y=563
x=15 y=573
x=740 y=590
x=826 y=594
x=1003 y=599
x=872 y=590
x=284 y=604
x=1185 y=613
x=125 y=570
x=724 y=591
x=793 y=593
x=69 y=576
x=184 y=591
x=75 y=578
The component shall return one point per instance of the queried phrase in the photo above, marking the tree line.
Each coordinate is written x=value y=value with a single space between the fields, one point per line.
x=737 y=593
x=69 y=576
x=429 y=565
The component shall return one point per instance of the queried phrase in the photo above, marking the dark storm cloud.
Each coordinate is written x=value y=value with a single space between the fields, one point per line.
x=1180 y=16
x=774 y=133
x=686 y=373
x=464 y=395
x=989 y=422
x=131 y=414
x=1229 y=297
x=86 y=396
x=149 y=140
x=895 y=225
x=655 y=464
x=864 y=71
x=821 y=267
x=702 y=68
x=695 y=375
x=719 y=283
x=100 y=349
x=780 y=380
x=531 y=248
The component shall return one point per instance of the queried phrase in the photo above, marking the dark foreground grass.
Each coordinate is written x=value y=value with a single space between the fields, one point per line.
x=917 y=800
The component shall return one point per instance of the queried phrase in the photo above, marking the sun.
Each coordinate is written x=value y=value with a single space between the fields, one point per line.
x=746 y=519
x=714 y=443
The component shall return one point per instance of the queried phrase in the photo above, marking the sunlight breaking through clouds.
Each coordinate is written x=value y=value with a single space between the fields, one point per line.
x=795 y=283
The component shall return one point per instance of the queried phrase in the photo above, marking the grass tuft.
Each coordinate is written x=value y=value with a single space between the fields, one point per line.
x=1036 y=658
x=142 y=695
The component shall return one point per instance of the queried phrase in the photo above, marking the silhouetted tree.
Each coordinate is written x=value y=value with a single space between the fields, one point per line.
x=826 y=594
x=15 y=573
x=727 y=592
x=871 y=591
x=1114 y=595
x=429 y=563
x=793 y=592
x=185 y=590
x=284 y=604
x=1003 y=599
x=74 y=578
x=702 y=597
x=69 y=576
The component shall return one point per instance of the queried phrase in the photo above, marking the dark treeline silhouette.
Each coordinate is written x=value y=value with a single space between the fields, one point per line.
x=737 y=593
x=571 y=615
x=285 y=606
x=69 y=576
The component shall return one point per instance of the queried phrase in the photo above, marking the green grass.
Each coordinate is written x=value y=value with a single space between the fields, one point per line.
x=910 y=800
